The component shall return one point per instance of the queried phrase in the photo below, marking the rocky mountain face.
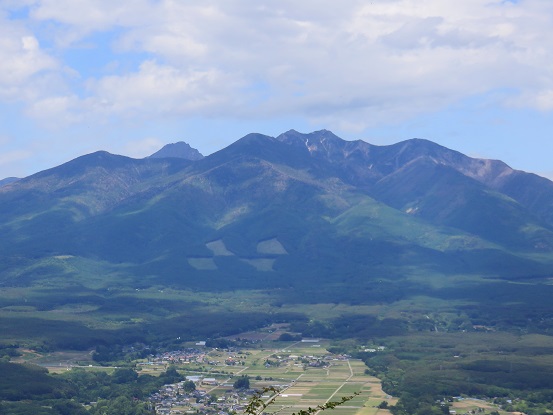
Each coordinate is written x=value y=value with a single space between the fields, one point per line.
x=293 y=209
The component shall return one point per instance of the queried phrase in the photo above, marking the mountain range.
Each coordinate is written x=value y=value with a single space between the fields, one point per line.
x=308 y=217
x=264 y=200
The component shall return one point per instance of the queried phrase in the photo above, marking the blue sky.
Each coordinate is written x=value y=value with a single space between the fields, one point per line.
x=78 y=76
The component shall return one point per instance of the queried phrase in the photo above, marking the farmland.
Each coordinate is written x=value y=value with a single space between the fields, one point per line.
x=306 y=374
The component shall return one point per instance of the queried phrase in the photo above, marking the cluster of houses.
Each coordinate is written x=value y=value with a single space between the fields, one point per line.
x=373 y=349
x=179 y=357
x=305 y=360
x=172 y=400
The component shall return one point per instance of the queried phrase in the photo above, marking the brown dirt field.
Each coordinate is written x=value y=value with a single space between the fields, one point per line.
x=468 y=404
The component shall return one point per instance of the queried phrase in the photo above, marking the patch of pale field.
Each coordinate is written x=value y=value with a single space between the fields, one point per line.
x=349 y=388
x=313 y=377
x=289 y=398
x=294 y=369
x=376 y=390
x=358 y=378
x=54 y=358
x=58 y=370
x=250 y=335
x=372 y=410
x=298 y=390
x=202 y=264
x=218 y=248
x=338 y=372
x=358 y=367
x=271 y=333
x=260 y=264
x=307 y=348
x=472 y=404
x=26 y=356
x=152 y=370
x=64 y=369
x=345 y=410
x=75 y=309
x=320 y=393
x=271 y=247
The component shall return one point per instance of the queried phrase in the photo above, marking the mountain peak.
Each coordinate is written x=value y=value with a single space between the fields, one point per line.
x=178 y=150
x=8 y=180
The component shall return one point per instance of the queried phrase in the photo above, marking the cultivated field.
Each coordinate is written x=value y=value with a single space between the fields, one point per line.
x=306 y=374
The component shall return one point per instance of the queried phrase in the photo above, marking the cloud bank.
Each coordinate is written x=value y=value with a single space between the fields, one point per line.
x=353 y=62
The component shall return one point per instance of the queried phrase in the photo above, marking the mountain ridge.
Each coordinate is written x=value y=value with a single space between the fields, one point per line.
x=292 y=187
x=290 y=223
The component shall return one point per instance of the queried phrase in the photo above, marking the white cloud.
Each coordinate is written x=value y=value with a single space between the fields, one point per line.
x=76 y=19
x=21 y=61
x=56 y=112
x=13 y=157
x=161 y=89
x=349 y=63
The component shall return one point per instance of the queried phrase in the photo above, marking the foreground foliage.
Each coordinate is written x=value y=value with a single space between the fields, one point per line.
x=258 y=406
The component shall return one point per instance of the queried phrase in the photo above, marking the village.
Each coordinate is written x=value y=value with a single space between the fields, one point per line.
x=222 y=381
x=173 y=399
x=212 y=386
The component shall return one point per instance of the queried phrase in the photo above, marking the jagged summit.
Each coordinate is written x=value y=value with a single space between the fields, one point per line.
x=178 y=150
x=321 y=135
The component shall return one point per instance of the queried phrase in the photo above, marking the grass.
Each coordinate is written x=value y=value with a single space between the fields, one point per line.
x=369 y=218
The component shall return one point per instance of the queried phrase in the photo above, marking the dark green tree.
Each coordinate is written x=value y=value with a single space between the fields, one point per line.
x=189 y=386
x=171 y=375
x=383 y=405
x=124 y=376
x=243 y=382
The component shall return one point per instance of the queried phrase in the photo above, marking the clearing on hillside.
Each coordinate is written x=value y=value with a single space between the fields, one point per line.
x=219 y=248
x=271 y=247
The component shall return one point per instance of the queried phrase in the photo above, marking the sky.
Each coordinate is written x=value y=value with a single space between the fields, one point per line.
x=77 y=76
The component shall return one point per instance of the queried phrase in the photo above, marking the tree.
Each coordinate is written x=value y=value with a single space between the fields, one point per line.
x=383 y=405
x=189 y=386
x=119 y=406
x=124 y=376
x=67 y=407
x=171 y=375
x=243 y=382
